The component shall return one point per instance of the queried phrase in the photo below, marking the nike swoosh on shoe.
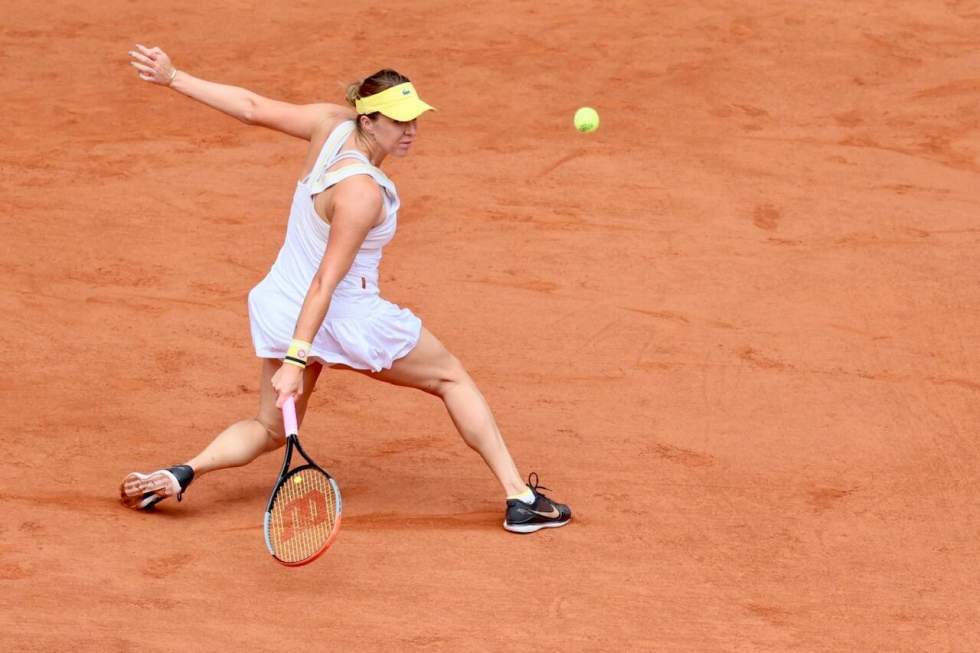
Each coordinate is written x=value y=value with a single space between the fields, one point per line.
x=554 y=513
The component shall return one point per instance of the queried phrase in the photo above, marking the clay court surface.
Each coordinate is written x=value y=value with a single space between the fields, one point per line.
x=736 y=329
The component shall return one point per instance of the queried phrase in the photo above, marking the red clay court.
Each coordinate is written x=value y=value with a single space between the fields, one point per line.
x=735 y=329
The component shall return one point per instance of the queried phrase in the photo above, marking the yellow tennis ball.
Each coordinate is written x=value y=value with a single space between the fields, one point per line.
x=297 y=480
x=586 y=120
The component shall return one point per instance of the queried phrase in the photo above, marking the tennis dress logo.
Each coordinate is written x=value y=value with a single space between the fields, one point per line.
x=305 y=512
x=406 y=91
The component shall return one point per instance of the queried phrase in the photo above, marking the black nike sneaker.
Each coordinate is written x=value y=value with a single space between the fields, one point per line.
x=143 y=491
x=543 y=513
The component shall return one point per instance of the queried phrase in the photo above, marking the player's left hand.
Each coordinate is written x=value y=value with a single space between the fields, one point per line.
x=153 y=65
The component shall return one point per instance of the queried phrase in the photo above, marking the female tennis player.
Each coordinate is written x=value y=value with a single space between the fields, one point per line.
x=320 y=303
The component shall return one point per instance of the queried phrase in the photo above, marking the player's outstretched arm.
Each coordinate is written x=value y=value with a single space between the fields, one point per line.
x=299 y=120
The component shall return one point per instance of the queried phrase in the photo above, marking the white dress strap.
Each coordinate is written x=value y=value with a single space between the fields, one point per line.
x=332 y=145
x=350 y=154
x=326 y=180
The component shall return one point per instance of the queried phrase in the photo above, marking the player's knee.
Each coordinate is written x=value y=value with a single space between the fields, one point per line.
x=274 y=430
x=449 y=376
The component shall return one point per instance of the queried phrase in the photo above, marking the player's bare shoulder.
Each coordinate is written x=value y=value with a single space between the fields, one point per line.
x=333 y=115
x=359 y=198
x=329 y=117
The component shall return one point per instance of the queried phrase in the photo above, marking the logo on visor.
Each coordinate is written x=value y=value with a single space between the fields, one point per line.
x=406 y=91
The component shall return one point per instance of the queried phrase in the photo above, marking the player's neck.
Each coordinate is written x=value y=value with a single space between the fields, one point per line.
x=370 y=148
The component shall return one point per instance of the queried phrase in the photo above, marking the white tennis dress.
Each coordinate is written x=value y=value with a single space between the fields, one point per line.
x=361 y=330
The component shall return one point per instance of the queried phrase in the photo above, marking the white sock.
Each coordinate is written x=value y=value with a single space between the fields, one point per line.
x=526 y=496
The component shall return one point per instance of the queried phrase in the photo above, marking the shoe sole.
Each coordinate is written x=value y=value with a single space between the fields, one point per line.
x=530 y=528
x=142 y=491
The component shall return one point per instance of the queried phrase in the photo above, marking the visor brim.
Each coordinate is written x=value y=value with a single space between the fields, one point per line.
x=406 y=111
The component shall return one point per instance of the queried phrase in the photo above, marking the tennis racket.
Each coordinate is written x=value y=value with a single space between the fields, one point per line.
x=303 y=515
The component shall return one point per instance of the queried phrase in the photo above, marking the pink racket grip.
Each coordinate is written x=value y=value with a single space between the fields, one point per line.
x=289 y=416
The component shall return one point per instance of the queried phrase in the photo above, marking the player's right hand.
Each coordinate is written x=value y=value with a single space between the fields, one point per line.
x=287 y=381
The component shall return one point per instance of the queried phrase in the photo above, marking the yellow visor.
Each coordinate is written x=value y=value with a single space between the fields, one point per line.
x=400 y=102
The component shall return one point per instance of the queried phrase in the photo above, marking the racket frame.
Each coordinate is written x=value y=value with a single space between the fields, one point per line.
x=292 y=442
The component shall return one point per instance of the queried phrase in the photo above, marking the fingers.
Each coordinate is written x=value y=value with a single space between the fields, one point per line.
x=286 y=382
x=150 y=55
x=283 y=396
x=142 y=58
x=144 y=63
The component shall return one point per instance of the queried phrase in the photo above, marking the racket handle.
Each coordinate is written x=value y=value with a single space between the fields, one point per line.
x=289 y=416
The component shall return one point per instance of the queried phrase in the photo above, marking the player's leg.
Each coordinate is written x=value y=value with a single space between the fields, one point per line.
x=237 y=445
x=432 y=368
x=244 y=441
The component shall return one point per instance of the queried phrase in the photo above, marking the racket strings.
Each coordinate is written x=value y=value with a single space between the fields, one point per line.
x=304 y=514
